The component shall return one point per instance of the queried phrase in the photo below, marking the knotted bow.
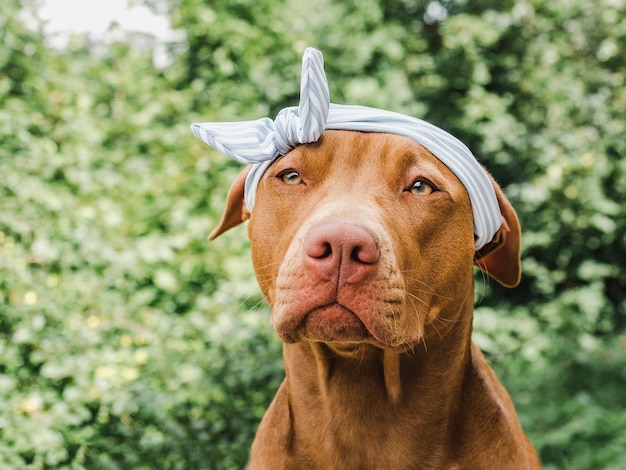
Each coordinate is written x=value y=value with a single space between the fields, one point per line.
x=262 y=141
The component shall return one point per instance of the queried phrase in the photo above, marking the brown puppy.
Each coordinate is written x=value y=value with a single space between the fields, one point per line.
x=363 y=246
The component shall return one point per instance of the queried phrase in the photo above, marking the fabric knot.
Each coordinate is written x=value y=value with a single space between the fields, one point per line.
x=305 y=123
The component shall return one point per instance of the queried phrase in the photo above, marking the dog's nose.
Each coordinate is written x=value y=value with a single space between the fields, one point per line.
x=339 y=250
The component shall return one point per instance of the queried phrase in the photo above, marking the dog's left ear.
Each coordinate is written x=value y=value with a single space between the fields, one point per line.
x=236 y=211
x=500 y=258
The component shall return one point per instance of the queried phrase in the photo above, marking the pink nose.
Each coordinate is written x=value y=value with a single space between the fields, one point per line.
x=338 y=250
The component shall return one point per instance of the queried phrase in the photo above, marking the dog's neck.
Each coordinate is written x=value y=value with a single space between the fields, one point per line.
x=340 y=387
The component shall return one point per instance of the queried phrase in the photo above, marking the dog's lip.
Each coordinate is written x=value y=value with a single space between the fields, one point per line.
x=333 y=321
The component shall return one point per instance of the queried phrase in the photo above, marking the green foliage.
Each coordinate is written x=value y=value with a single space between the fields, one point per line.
x=128 y=341
x=124 y=342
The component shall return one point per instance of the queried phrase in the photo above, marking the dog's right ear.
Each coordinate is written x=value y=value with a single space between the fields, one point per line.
x=236 y=210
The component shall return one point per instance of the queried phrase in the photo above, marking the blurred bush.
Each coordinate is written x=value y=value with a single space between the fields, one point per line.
x=127 y=341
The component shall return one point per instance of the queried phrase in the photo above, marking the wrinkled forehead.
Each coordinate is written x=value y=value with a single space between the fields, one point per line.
x=354 y=149
x=371 y=156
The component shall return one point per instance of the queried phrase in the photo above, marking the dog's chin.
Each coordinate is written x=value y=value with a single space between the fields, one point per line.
x=333 y=323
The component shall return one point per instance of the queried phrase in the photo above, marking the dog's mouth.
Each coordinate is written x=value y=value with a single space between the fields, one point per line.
x=337 y=324
x=333 y=323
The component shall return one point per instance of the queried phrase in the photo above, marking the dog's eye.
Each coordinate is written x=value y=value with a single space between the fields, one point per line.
x=421 y=188
x=291 y=177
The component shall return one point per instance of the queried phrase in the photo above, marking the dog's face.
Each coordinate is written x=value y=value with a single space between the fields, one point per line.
x=367 y=238
x=362 y=237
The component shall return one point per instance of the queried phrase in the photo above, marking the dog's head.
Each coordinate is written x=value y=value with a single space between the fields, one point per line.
x=364 y=223
x=367 y=237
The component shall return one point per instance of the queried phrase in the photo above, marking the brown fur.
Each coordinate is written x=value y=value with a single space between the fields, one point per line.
x=380 y=368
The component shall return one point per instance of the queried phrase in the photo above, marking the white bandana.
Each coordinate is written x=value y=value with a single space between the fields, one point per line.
x=262 y=141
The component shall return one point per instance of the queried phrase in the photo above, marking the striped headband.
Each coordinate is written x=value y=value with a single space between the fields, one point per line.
x=263 y=141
